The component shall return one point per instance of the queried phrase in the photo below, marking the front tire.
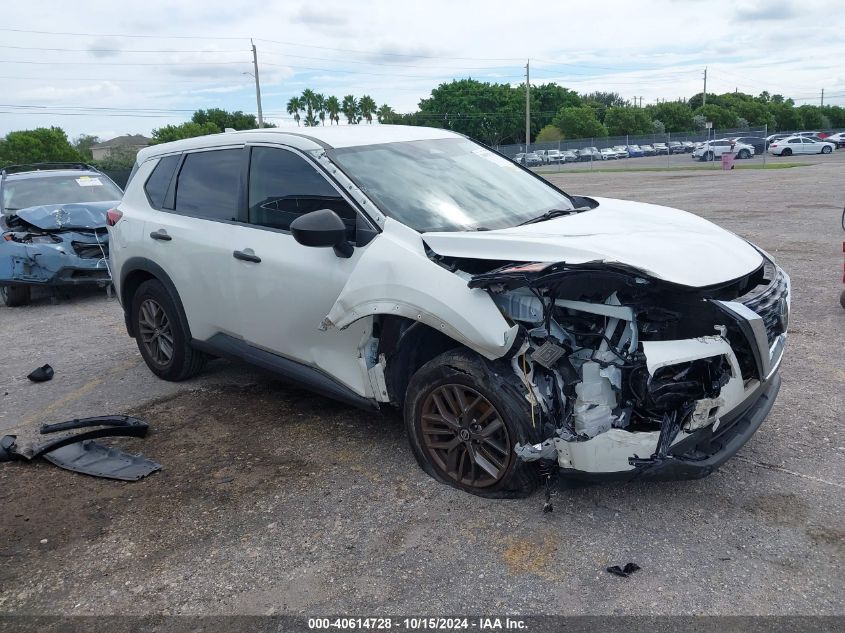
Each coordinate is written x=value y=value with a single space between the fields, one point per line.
x=464 y=415
x=15 y=295
x=161 y=333
x=743 y=153
x=826 y=149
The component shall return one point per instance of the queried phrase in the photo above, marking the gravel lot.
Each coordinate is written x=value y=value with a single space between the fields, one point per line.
x=273 y=500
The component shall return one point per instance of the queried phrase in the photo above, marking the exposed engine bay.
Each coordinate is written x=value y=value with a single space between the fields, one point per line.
x=618 y=366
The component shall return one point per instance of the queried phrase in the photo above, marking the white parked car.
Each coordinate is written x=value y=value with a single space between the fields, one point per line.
x=711 y=150
x=800 y=145
x=838 y=139
x=511 y=322
x=608 y=153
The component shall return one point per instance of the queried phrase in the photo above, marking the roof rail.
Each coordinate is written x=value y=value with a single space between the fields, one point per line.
x=14 y=169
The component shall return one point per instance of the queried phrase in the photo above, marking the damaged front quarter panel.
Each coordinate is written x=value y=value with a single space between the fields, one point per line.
x=629 y=373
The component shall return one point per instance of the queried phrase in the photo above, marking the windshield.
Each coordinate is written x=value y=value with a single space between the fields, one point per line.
x=33 y=192
x=447 y=185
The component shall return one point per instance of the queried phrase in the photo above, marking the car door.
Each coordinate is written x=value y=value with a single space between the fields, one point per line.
x=811 y=146
x=796 y=145
x=193 y=235
x=284 y=297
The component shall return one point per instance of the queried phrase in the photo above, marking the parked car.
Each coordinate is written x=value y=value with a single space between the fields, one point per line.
x=621 y=151
x=676 y=147
x=635 y=151
x=800 y=145
x=608 y=153
x=689 y=146
x=660 y=148
x=757 y=142
x=714 y=149
x=648 y=150
x=590 y=153
x=838 y=138
x=551 y=334
x=569 y=155
x=554 y=156
x=53 y=224
x=808 y=133
x=531 y=159
x=776 y=137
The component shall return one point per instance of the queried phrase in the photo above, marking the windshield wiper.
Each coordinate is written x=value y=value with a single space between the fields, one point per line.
x=553 y=213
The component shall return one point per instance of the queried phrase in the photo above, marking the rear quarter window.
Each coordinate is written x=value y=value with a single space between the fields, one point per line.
x=159 y=181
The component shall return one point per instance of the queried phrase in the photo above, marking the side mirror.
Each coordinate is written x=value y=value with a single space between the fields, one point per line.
x=322 y=228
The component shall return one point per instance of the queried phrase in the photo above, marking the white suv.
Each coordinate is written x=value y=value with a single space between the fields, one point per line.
x=513 y=323
x=710 y=150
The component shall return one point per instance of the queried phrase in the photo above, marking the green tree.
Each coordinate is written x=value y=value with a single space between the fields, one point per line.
x=546 y=100
x=676 y=117
x=811 y=117
x=83 y=143
x=119 y=158
x=350 y=109
x=41 y=145
x=309 y=101
x=294 y=108
x=333 y=110
x=320 y=106
x=720 y=117
x=237 y=120
x=190 y=129
x=579 y=122
x=367 y=108
x=786 y=117
x=385 y=114
x=624 y=120
x=549 y=134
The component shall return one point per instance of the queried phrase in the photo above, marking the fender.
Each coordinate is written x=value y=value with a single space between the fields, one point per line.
x=395 y=277
x=134 y=265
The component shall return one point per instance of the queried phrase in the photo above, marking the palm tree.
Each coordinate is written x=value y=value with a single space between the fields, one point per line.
x=367 y=108
x=309 y=99
x=350 y=109
x=294 y=106
x=385 y=114
x=333 y=108
x=320 y=107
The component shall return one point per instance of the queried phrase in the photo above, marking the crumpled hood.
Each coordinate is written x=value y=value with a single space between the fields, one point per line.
x=666 y=243
x=65 y=217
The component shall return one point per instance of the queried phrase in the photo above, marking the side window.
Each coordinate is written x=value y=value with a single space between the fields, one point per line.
x=208 y=184
x=159 y=181
x=283 y=186
x=795 y=140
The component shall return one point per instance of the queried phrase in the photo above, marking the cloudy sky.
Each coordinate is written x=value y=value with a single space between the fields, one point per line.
x=109 y=68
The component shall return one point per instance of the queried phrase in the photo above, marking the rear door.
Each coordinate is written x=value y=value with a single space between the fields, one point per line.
x=194 y=236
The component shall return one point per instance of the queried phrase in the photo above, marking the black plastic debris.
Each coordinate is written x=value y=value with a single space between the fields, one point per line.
x=90 y=458
x=624 y=572
x=77 y=451
x=41 y=374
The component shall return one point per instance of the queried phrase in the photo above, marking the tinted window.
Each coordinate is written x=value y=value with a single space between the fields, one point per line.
x=283 y=186
x=795 y=140
x=159 y=181
x=208 y=184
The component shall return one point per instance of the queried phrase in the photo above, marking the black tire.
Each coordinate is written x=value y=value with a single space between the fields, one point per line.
x=744 y=153
x=842 y=299
x=486 y=441
x=15 y=295
x=786 y=152
x=171 y=332
x=708 y=156
x=826 y=149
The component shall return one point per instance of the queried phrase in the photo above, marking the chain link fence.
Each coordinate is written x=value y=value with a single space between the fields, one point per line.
x=657 y=150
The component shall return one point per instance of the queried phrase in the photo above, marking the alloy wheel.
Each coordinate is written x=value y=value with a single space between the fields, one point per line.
x=155 y=332
x=465 y=436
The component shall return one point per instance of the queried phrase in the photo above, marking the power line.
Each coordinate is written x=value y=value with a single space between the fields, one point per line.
x=120 y=50
x=18 y=61
x=136 y=35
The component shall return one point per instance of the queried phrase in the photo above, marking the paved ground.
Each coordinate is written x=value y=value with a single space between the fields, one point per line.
x=273 y=500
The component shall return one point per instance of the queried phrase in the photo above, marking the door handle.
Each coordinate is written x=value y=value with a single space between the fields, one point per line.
x=160 y=235
x=247 y=255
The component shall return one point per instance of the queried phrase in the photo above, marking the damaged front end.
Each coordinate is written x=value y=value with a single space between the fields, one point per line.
x=61 y=252
x=632 y=376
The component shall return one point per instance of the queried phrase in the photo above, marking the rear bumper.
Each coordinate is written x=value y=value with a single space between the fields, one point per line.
x=703 y=451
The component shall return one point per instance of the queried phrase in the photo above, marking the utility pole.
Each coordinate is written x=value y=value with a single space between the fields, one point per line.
x=822 y=97
x=257 y=85
x=704 y=94
x=527 y=105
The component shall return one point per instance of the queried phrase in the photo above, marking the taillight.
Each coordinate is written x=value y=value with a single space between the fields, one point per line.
x=773 y=145
x=112 y=216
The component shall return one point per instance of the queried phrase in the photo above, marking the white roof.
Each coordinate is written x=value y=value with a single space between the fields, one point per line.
x=306 y=138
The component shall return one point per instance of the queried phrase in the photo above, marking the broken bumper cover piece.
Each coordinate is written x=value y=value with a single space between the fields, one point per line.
x=90 y=458
x=702 y=452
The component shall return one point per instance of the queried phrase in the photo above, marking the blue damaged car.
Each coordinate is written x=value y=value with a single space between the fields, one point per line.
x=53 y=222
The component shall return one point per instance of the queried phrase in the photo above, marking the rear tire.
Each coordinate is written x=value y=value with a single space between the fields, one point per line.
x=786 y=152
x=162 y=334
x=464 y=415
x=15 y=295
